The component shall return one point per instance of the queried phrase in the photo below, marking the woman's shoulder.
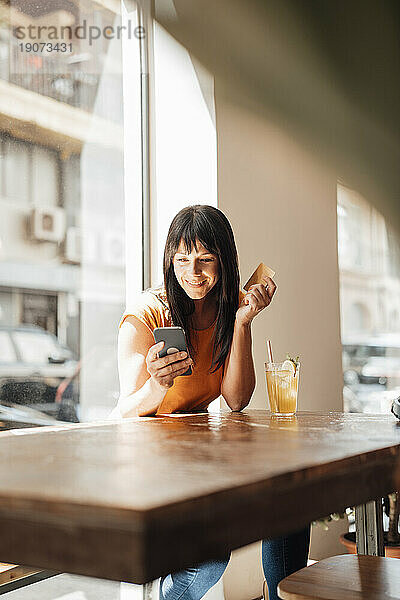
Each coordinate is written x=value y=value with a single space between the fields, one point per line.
x=158 y=295
x=150 y=307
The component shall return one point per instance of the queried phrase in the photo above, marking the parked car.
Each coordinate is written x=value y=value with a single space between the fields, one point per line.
x=32 y=365
x=381 y=369
x=358 y=351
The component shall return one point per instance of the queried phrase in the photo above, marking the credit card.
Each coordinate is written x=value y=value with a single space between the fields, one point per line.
x=259 y=274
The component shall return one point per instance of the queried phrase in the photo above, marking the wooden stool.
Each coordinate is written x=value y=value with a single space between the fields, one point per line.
x=346 y=577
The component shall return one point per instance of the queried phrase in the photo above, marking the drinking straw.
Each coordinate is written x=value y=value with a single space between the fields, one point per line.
x=269 y=350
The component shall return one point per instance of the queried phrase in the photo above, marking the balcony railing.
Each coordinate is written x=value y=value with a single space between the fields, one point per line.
x=55 y=77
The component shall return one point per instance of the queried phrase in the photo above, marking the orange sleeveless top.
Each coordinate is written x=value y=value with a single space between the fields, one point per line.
x=188 y=393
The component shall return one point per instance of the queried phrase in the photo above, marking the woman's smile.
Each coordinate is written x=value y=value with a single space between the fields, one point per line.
x=195 y=283
x=196 y=272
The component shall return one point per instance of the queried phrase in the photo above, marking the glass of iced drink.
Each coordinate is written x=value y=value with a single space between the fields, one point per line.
x=282 y=385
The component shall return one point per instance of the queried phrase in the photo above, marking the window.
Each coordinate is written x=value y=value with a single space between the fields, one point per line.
x=44 y=178
x=7 y=352
x=6 y=313
x=16 y=170
x=62 y=152
x=83 y=161
x=358 y=318
x=30 y=172
x=370 y=305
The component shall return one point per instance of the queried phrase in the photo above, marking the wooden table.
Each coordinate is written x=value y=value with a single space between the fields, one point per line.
x=134 y=500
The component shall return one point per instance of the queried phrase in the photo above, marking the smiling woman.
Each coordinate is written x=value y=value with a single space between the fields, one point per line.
x=200 y=294
x=201 y=276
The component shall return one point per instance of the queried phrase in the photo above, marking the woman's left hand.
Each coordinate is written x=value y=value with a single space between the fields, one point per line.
x=258 y=297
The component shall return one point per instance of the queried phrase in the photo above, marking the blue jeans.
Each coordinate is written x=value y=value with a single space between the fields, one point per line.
x=280 y=558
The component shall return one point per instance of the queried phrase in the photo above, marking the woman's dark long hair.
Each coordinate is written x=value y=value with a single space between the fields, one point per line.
x=209 y=226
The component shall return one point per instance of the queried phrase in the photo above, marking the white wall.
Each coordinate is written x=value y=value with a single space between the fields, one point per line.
x=282 y=205
x=184 y=139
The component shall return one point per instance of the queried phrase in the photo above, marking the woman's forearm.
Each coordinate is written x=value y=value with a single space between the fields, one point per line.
x=142 y=403
x=239 y=378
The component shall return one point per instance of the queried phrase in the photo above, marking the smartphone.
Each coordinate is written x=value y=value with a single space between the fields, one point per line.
x=174 y=341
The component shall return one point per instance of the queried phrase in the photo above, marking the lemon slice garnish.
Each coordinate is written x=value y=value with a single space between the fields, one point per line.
x=288 y=365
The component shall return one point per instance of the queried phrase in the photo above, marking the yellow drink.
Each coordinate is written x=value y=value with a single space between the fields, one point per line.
x=282 y=388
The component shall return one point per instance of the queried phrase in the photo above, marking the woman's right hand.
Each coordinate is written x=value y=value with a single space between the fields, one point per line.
x=164 y=370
